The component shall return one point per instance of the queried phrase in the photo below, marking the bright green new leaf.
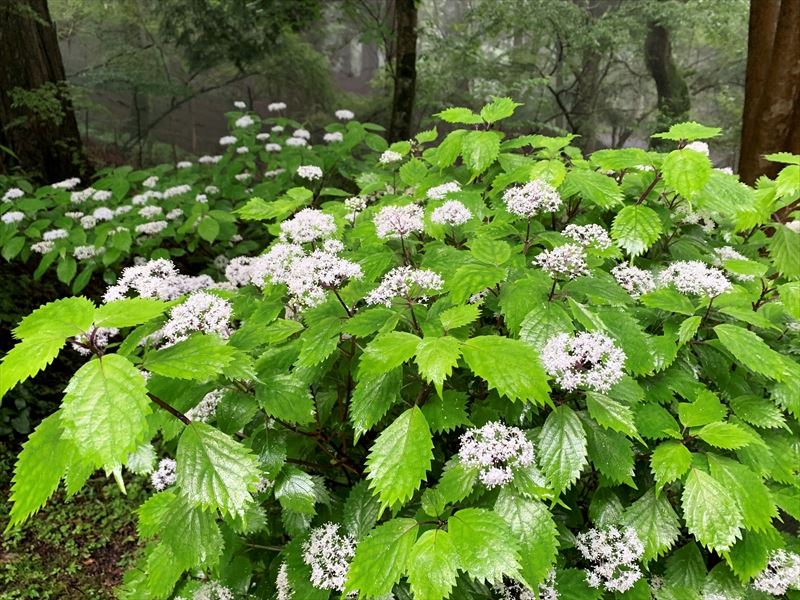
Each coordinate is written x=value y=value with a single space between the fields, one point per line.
x=386 y=352
x=562 y=447
x=710 y=511
x=636 y=228
x=458 y=316
x=128 y=312
x=436 y=357
x=688 y=131
x=704 y=410
x=486 y=547
x=295 y=491
x=728 y=436
x=200 y=357
x=459 y=114
x=655 y=521
x=191 y=533
x=611 y=414
x=62 y=318
x=27 y=358
x=381 y=558
x=472 y=278
x=784 y=248
x=751 y=351
x=433 y=565
x=286 y=397
x=751 y=495
x=669 y=461
x=479 y=150
x=498 y=109
x=595 y=187
x=686 y=171
x=372 y=398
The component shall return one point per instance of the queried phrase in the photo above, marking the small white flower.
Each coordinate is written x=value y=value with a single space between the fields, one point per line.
x=344 y=115
x=634 y=280
x=398 y=221
x=155 y=279
x=99 y=337
x=79 y=197
x=242 y=177
x=274 y=172
x=73 y=214
x=333 y=137
x=694 y=277
x=240 y=105
x=587 y=359
x=700 y=147
x=12 y=194
x=227 y=140
x=207 y=407
x=328 y=553
x=42 y=247
x=302 y=133
x=614 y=555
x=296 y=142
x=151 y=228
x=88 y=222
x=567 y=261
x=591 y=235
x=272 y=147
x=356 y=203
x=102 y=195
x=451 y=213
x=211 y=189
x=277 y=128
x=275 y=106
x=86 y=252
x=440 y=191
x=150 y=182
x=390 y=156
x=165 y=475
x=310 y=172
x=781 y=574
x=12 y=216
x=282 y=585
x=407 y=283
x=103 y=213
x=201 y=198
x=531 y=199
x=728 y=253
x=308 y=225
x=262 y=137
x=496 y=449
x=200 y=312
x=148 y=212
x=55 y=234
x=244 y=122
x=67 y=184
x=242 y=150
x=210 y=160
x=174 y=214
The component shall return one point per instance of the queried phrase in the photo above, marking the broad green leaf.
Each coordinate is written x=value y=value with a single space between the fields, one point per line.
x=619 y=159
x=38 y=470
x=498 y=109
x=153 y=512
x=459 y=114
x=286 y=397
x=479 y=150
x=728 y=436
x=368 y=321
x=295 y=490
x=784 y=248
x=686 y=569
x=510 y=366
x=751 y=351
x=472 y=278
x=688 y=131
x=279 y=330
x=751 y=495
x=636 y=228
x=571 y=585
x=200 y=357
x=215 y=471
x=208 y=229
x=457 y=481
x=595 y=187
x=381 y=558
x=128 y=312
x=413 y=171
x=486 y=547
x=400 y=458
x=433 y=565
x=105 y=410
x=656 y=422
x=490 y=252
x=191 y=533
x=669 y=461
x=749 y=556
x=27 y=358
x=562 y=448
x=446 y=412
x=611 y=414
x=686 y=171
x=688 y=329
x=361 y=510
x=163 y=571
x=372 y=398
x=610 y=452
x=386 y=352
x=544 y=322
x=447 y=152
x=710 y=511
x=436 y=357
x=669 y=300
x=704 y=410
x=656 y=523
x=758 y=412
x=458 y=316
x=62 y=318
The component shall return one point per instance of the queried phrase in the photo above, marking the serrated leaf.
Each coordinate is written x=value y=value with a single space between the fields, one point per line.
x=386 y=352
x=457 y=481
x=381 y=558
x=200 y=357
x=27 y=358
x=669 y=461
x=214 y=470
x=472 y=278
x=400 y=458
x=704 y=410
x=372 y=398
x=480 y=149
x=751 y=351
x=750 y=555
x=361 y=510
x=728 y=436
x=286 y=397
x=636 y=228
x=656 y=422
x=784 y=248
x=710 y=511
x=544 y=322
x=510 y=366
x=685 y=568
x=436 y=357
x=295 y=490
x=562 y=448
x=433 y=565
x=688 y=329
x=611 y=414
x=62 y=318
x=191 y=533
x=599 y=189
x=758 y=412
x=498 y=109
x=688 y=131
x=457 y=114
x=669 y=300
x=656 y=523
x=458 y=316
x=686 y=171
x=610 y=452
x=105 y=410
x=128 y=312
x=413 y=171
x=486 y=546
x=447 y=412
x=751 y=495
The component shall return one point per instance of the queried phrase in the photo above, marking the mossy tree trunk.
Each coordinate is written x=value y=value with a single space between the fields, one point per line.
x=405 y=69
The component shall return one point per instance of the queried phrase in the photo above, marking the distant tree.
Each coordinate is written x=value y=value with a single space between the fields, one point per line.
x=673 y=93
x=405 y=69
x=771 y=118
x=38 y=130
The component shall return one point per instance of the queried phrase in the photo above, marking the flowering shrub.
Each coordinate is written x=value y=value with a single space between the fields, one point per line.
x=502 y=370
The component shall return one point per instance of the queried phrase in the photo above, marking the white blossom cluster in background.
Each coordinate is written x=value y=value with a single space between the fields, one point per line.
x=328 y=553
x=781 y=574
x=213 y=591
x=398 y=221
x=514 y=590
x=496 y=450
x=156 y=278
x=206 y=408
x=276 y=106
x=12 y=194
x=308 y=225
x=567 y=261
x=694 y=277
x=282 y=586
x=591 y=235
x=451 y=213
x=440 y=191
x=201 y=312
x=344 y=115
x=12 y=216
x=728 y=253
x=390 y=156
x=634 y=280
x=701 y=218
x=310 y=172
x=614 y=556
x=407 y=283
x=587 y=359
x=296 y=142
x=165 y=475
x=67 y=184
x=333 y=137
x=99 y=338
x=531 y=199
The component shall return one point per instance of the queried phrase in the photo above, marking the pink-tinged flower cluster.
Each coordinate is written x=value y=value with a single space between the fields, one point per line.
x=328 y=553
x=451 y=213
x=781 y=574
x=567 y=261
x=398 y=221
x=407 y=283
x=206 y=408
x=587 y=359
x=165 y=475
x=591 y=235
x=531 y=199
x=156 y=279
x=496 y=450
x=308 y=225
x=634 y=280
x=694 y=277
x=614 y=556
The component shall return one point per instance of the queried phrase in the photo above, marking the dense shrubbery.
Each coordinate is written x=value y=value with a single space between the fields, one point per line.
x=500 y=370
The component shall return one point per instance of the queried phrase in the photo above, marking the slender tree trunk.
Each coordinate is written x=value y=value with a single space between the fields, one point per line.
x=46 y=144
x=673 y=93
x=405 y=71
x=771 y=116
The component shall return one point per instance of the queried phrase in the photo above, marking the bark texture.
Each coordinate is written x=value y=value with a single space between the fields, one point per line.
x=673 y=93
x=44 y=138
x=405 y=71
x=771 y=116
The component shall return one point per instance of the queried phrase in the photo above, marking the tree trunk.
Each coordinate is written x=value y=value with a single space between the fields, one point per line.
x=673 y=93
x=43 y=134
x=405 y=70
x=771 y=116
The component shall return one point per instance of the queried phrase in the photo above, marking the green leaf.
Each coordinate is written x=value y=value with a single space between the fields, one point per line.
x=750 y=555
x=636 y=228
x=543 y=322
x=686 y=568
x=509 y=366
x=688 y=131
x=27 y=358
x=669 y=300
x=208 y=229
x=436 y=357
x=686 y=171
x=758 y=412
x=433 y=565
x=279 y=330
x=295 y=490
x=599 y=189
x=656 y=523
x=490 y=252
x=38 y=470
x=479 y=150
x=751 y=495
x=386 y=352
x=128 y=312
x=562 y=448
x=200 y=357
x=669 y=461
x=400 y=457
x=611 y=414
x=458 y=316
x=704 y=410
x=498 y=109
x=372 y=398
x=62 y=318
x=459 y=114
x=191 y=533
x=751 y=351
x=656 y=422
x=784 y=248
x=423 y=137
x=66 y=269
x=214 y=470
x=447 y=152
x=456 y=482
x=413 y=171
x=533 y=525
x=285 y=396
x=710 y=511
x=361 y=510
x=486 y=546
x=473 y=278
x=728 y=436
x=688 y=329
x=105 y=410
x=610 y=452
x=368 y=321
x=446 y=412
x=381 y=558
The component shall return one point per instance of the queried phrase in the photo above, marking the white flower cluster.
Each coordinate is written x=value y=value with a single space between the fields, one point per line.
x=531 y=199
x=165 y=475
x=781 y=574
x=296 y=142
x=398 y=221
x=277 y=128
x=634 y=280
x=242 y=177
x=227 y=140
x=614 y=555
x=701 y=218
x=587 y=359
x=88 y=222
x=151 y=228
x=67 y=184
x=12 y=216
x=452 y=213
x=356 y=203
x=344 y=115
x=513 y=590
x=389 y=156
x=568 y=260
x=87 y=252
x=694 y=277
x=206 y=408
x=156 y=279
x=151 y=181
x=439 y=192
x=405 y=282
x=274 y=172
x=212 y=591
x=496 y=449
x=328 y=554
x=177 y=190
x=174 y=214
x=728 y=253
x=310 y=172
x=79 y=197
x=308 y=225
x=12 y=194
x=183 y=164
x=102 y=213
x=276 y=106
x=148 y=212
x=142 y=198
x=240 y=104
x=99 y=338
x=55 y=234
x=698 y=146
x=588 y=235
x=263 y=136
x=244 y=122
x=333 y=137
x=282 y=586
x=302 y=133
x=209 y=160
x=202 y=312
x=272 y=147
x=42 y=247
